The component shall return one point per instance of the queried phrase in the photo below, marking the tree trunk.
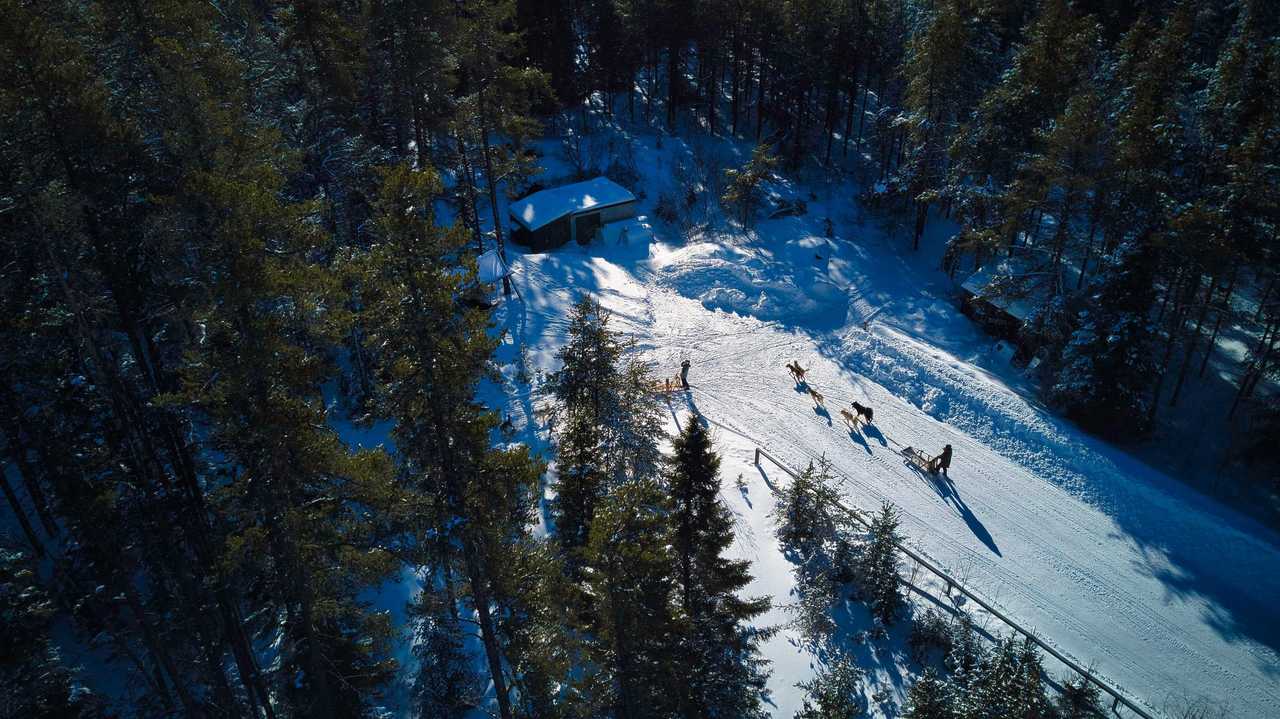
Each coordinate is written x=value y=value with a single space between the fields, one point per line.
x=1223 y=311
x=468 y=177
x=17 y=452
x=1266 y=295
x=1254 y=370
x=488 y=632
x=21 y=514
x=1175 y=329
x=922 y=217
x=1192 y=341
x=862 y=116
x=673 y=83
x=760 y=90
x=497 y=211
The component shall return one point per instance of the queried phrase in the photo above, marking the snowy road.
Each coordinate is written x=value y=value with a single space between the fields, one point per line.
x=1162 y=591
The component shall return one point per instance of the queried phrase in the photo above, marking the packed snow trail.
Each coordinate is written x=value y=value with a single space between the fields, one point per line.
x=1160 y=590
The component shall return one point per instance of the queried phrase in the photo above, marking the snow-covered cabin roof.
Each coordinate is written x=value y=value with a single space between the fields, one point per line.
x=1019 y=306
x=1017 y=285
x=541 y=208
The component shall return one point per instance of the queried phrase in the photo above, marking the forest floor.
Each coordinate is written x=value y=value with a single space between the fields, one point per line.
x=1163 y=591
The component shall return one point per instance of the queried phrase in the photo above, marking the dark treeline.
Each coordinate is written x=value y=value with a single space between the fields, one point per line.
x=220 y=246
x=219 y=242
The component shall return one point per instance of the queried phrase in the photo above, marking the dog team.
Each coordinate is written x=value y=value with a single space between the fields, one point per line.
x=861 y=416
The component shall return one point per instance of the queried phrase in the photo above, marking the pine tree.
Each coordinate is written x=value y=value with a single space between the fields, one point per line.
x=878 y=565
x=37 y=683
x=726 y=676
x=943 y=65
x=743 y=190
x=835 y=693
x=475 y=503
x=307 y=514
x=634 y=645
x=928 y=698
x=496 y=97
x=607 y=416
x=447 y=684
x=1107 y=366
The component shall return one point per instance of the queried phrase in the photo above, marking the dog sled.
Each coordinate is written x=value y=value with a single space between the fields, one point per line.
x=668 y=385
x=920 y=460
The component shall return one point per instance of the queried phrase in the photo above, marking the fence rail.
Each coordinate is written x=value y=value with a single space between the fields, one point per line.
x=1117 y=697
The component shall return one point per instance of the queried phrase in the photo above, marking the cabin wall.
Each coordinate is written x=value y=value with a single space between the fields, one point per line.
x=554 y=234
x=618 y=212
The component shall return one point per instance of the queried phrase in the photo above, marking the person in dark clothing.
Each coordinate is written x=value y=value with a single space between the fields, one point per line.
x=684 y=374
x=943 y=461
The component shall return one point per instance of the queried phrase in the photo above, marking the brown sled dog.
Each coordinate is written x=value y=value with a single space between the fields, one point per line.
x=817 y=397
x=797 y=372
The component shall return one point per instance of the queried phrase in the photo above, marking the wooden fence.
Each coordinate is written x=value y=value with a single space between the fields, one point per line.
x=1117 y=697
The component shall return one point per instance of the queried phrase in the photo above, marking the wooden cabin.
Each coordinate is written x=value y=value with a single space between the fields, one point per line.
x=577 y=212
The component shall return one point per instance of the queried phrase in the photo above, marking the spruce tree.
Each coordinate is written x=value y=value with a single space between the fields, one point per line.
x=608 y=420
x=835 y=693
x=635 y=630
x=1079 y=699
x=929 y=698
x=806 y=524
x=1107 y=366
x=878 y=564
x=726 y=675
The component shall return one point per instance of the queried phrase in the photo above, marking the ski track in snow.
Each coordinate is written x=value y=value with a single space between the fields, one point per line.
x=1158 y=589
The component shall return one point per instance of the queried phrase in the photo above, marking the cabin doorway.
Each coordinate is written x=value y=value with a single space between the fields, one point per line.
x=585 y=226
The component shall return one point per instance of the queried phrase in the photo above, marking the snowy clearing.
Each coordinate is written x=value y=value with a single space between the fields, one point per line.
x=1162 y=591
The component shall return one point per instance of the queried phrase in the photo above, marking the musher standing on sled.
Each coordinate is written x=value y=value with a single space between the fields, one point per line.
x=942 y=461
x=684 y=374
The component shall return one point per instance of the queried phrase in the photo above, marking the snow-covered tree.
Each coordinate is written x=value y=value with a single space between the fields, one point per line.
x=877 y=566
x=726 y=675
x=835 y=693
x=929 y=698
x=1107 y=366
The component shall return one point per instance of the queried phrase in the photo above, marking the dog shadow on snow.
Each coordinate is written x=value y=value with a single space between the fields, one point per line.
x=857 y=437
x=871 y=431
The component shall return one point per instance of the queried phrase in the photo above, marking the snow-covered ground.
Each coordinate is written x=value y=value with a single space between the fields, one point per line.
x=1164 y=592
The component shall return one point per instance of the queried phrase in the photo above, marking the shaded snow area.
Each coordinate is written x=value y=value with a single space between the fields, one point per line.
x=1164 y=592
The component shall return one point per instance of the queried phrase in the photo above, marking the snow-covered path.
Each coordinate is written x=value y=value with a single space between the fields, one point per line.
x=1162 y=591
